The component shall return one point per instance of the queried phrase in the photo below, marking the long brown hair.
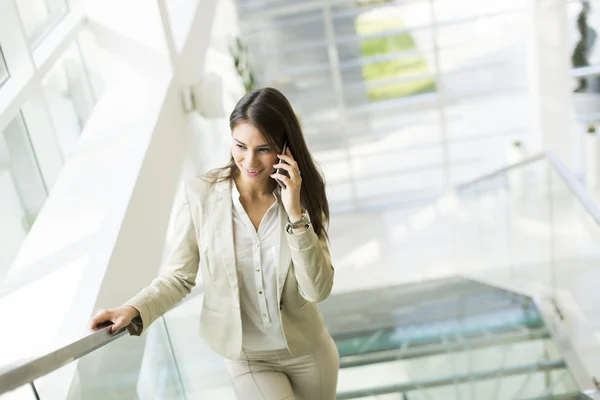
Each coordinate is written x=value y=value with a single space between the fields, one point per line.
x=269 y=111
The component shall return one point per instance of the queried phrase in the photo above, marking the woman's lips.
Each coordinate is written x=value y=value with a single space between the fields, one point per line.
x=253 y=172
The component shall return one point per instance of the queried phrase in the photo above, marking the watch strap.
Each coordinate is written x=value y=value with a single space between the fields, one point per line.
x=301 y=222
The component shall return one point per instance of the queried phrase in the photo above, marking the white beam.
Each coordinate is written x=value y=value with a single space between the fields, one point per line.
x=57 y=41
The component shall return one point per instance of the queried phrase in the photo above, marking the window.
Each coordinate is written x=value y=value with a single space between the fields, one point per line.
x=409 y=73
x=3 y=69
x=39 y=16
x=22 y=191
x=69 y=96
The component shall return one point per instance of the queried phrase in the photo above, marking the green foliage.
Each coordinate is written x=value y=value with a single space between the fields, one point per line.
x=239 y=53
x=403 y=66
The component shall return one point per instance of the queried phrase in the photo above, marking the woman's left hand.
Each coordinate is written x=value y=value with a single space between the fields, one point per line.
x=290 y=195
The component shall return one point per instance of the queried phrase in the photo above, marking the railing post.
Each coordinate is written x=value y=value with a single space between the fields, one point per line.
x=551 y=241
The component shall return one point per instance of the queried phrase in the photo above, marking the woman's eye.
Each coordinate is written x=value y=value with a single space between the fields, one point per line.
x=240 y=146
x=264 y=150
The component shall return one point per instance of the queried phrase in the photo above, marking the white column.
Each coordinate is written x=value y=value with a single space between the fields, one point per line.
x=549 y=79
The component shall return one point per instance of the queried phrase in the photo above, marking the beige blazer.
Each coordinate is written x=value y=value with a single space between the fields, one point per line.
x=203 y=240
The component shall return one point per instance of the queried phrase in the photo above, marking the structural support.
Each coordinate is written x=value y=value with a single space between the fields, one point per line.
x=550 y=81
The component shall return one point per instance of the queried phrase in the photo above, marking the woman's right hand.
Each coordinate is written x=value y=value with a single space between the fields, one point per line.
x=119 y=317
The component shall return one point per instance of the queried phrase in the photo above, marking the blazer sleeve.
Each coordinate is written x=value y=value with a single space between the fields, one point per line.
x=177 y=276
x=312 y=264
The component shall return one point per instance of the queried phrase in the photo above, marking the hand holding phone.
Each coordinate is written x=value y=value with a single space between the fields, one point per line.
x=281 y=170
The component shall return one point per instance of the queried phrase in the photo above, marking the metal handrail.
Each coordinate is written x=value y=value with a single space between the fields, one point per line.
x=574 y=185
x=21 y=373
x=14 y=376
x=501 y=171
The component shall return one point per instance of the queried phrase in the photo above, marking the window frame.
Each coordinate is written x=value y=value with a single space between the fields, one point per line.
x=5 y=67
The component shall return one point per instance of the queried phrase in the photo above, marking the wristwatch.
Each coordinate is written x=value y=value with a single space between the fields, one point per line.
x=304 y=221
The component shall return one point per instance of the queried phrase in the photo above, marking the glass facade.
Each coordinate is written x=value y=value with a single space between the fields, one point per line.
x=39 y=16
x=405 y=83
x=3 y=70
x=22 y=190
x=30 y=141
x=69 y=96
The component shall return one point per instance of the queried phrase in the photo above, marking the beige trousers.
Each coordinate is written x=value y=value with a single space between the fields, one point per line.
x=277 y=375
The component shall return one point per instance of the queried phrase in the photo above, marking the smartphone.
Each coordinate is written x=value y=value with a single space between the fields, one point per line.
x=281 y=170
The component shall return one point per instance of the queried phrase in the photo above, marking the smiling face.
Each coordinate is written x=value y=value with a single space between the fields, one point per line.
x=253 y=155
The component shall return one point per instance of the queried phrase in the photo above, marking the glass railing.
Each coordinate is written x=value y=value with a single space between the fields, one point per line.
x=536 y=226
x=525 y=238
x=109 y=367
x=450 y=338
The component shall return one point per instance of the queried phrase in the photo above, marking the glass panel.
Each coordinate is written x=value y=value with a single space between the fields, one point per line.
x=39 y=16
x=455 y=11
x=160 y=376
x=314 y=102
x=386 y=89
x=530 y=221
x=575 y=255
x=483 y=63
x=22 y=191
x=101 y=65
x=383 y=32
x=202 y=371
x=481 y=141
x=180 y=14
x=69 y=95
x=512 y=216
x=304 y=28
x=286 y=46
x=3 y=69
x=262 y=5
x=406 y=14
x=130 y=368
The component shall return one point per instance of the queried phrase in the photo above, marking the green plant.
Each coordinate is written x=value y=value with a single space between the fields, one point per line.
x=239 y=53
x=410 y=64
x=580 y=56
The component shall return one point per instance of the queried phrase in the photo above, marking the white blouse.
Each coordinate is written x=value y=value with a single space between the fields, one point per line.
x=256 y=257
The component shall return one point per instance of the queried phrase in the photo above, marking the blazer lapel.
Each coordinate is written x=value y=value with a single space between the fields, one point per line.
x=222 y=217
x=285 y=256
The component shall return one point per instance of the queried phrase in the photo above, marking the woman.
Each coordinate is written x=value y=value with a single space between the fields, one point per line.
x=263 y=253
